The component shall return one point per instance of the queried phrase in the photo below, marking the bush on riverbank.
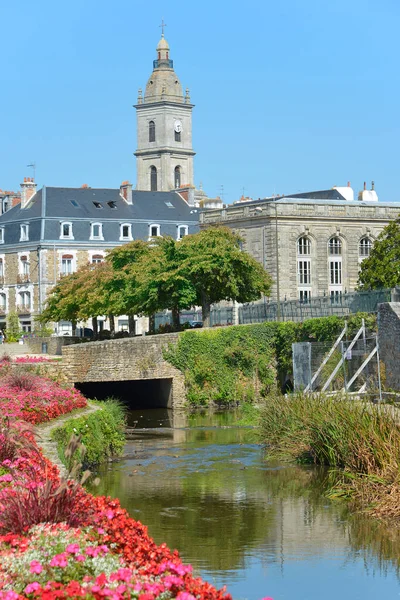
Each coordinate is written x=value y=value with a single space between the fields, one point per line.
x=241 y=363
x=224 y=366
x=102 y=433
x=361 y=438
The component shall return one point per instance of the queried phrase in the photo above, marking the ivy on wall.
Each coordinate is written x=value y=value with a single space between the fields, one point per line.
x=242 y=363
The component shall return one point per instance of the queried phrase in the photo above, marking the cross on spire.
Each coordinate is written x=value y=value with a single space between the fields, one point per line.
x=162 y=26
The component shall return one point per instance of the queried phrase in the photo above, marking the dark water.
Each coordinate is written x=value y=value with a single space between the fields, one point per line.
x=202 y=485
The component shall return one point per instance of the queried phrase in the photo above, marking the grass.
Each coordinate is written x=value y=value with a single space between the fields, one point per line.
x=102 y=433
x=361 y=439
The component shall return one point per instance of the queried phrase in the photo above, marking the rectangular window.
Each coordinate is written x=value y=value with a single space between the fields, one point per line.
x=1 y=267
x=96 y=231
x=154 y=230
x=66 y=231
x=66 y=265
x=25 y=300
x=305 y=296
x=182 y=231
x=1 y=235
x=304 y=272
x=125 y=232
x=24 y=233
x=335 y=272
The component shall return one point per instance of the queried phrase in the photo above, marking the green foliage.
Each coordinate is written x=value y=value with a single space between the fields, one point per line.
x=13 y=331
x=102 y=433
x=363 y=438
x=224 y=366
x=381 y=269
x=238 y=363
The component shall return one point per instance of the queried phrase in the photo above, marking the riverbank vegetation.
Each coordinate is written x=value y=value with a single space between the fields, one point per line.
x=361 y=439
x=231 y=365
x=102 y=434
x=59 y=541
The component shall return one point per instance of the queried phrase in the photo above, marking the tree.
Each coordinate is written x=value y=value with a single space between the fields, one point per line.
x=381 y=269
x=219 y=269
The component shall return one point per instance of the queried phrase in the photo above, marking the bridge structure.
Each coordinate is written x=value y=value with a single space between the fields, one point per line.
x=132 y=369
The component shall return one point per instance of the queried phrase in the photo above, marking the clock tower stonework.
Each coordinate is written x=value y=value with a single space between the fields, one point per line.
x=164 y=155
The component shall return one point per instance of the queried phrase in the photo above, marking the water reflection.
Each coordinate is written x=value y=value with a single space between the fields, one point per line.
x=203 y=486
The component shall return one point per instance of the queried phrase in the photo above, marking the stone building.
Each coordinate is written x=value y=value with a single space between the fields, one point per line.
x=53 y=231
x=313 y=243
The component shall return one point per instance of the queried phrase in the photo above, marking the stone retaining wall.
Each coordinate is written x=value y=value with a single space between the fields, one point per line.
x=127 y=359
x=389 y=342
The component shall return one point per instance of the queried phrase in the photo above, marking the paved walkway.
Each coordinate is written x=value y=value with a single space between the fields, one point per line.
x=46 y=444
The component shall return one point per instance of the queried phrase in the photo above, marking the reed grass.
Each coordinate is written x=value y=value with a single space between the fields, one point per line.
x=360 y=438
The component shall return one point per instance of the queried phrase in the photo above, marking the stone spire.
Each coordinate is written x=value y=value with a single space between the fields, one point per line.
x=163 y=84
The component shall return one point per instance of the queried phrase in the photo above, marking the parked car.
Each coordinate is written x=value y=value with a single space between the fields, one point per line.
x=195 y=324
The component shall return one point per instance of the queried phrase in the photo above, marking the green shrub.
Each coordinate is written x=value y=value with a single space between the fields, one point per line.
x=103 y=433
x=240 y=363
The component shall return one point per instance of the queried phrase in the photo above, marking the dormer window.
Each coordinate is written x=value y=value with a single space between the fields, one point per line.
x=125 y=233
x=96 y=231
x=24 y=233
x=98 y=204
x=66 y=231
x=112 y=204
x=154 y=231
x=182 y=231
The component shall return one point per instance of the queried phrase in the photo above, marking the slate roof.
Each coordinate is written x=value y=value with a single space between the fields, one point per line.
x=82 y=206
x=321 y=195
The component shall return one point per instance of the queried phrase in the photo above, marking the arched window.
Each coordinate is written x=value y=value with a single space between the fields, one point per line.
x=177 y=177
x=335 y=268
x=365 y=247
x=153 y=179
x=304 y=269
x=97 y=258
x=335 y=246
x=304 y=246
x=152 y=131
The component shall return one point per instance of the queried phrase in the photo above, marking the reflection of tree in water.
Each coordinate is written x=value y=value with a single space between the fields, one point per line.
x=199 y=497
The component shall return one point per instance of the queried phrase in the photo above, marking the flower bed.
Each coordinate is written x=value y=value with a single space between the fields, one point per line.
x=36 y=399
x=59 y=541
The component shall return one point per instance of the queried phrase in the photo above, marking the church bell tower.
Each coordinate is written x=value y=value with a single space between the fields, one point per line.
x=164 y=155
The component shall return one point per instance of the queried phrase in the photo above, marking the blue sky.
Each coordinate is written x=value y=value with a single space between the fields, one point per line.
x=289 y=96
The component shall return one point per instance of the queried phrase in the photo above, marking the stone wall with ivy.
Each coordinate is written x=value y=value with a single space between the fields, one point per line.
x=229 y=365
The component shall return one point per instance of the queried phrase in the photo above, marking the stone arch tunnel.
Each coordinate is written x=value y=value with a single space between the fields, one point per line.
x=132 y=369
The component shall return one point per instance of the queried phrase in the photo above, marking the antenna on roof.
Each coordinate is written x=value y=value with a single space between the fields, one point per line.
x=33 y=166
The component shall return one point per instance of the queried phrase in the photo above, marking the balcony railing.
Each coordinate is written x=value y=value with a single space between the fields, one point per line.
x=23 y=309
x=24 y=278
x=163 y=62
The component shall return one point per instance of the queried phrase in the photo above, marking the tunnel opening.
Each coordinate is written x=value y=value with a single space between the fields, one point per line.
x=143 y=393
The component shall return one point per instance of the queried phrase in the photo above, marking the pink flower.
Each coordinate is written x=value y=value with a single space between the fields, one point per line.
x=72 y=548
x=109 y=514
x=80 y=557
x=100 y=530
x=35 y=567
x=185 y=596
x=124 y=574
x=32 y=587
x=59 y=560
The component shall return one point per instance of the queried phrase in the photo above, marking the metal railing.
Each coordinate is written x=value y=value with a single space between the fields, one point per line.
x=324 y=306
x=163 y=62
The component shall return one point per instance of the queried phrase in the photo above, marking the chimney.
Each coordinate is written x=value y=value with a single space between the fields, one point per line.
x=372 y=185
x=365 y=185
x=348 y=184
x=28 y=190
x=126 y=191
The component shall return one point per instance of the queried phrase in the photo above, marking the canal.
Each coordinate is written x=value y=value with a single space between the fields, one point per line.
x=203 y=485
